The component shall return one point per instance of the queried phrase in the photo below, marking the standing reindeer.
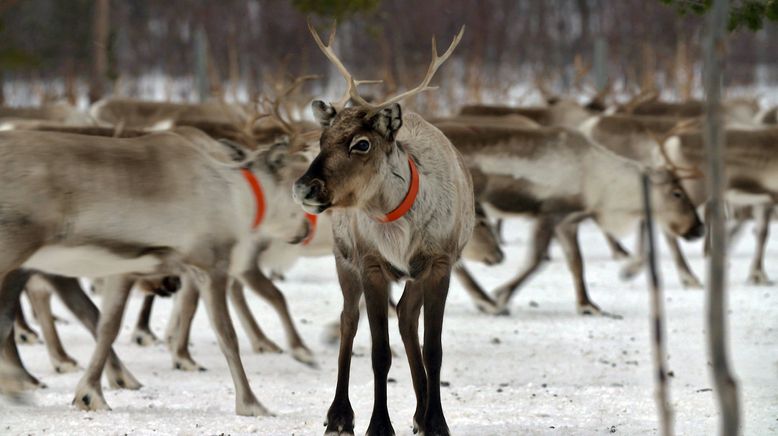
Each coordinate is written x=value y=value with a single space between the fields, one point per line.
x=102 y=207
x=402 y=206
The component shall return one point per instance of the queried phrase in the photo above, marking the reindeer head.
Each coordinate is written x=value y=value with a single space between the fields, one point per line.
x=356 y=142
x=672 y=206
x=671 y=202
x=484 y=245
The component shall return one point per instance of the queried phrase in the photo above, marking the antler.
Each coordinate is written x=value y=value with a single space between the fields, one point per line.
x=641 y=97
x=275 y=104
x=435 y=63
x=694 y=172
x=352 y=91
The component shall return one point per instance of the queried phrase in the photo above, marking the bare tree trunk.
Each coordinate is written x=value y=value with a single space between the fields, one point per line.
x=725 y=386
x=100 y=25
x=658 y=330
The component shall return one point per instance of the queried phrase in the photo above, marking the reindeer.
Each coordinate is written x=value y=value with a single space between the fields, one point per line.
x=62 y=113
x=635 y=137
x=738 y=110
x=641 y=138
x=247 y=135
x=154 y=115
x=768 y=116
x=90 y=206
x=563 y=113
x=752 y=176
x=402 y=208
x=560 y=178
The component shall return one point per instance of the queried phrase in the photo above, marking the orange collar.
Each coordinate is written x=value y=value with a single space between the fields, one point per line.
x=259 y=196
x=407 y=202
x=312 y=229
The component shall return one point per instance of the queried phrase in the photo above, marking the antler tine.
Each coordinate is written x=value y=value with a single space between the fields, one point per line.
x=296 y=84
x=275 y=104
x=675 y=169
x=351 y=92
x=436 y=62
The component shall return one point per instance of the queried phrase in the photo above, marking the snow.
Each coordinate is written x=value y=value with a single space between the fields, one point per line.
x=541 y=370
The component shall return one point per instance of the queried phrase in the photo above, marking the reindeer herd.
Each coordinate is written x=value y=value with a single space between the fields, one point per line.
x=204 y=200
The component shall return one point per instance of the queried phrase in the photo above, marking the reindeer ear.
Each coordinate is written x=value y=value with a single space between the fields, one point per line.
x=236 y=152
x=323 y=112
x=277 y=154
x=388 y=121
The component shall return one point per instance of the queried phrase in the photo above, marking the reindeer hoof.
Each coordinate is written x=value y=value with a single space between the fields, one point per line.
x=620 y=255
x=65 y=366
x=331 y=335
x=630 y=270
x=266 y=346
x=589 y=309
x=339 y=431
x=340 y=421
x=690 y=282
x=187 y=364
x=88 y=398
x=304 y=355
x=251 y=408
x=144 y=338
x=491 y=308
x=502 y=296
x=26 y=337
x=759 y=278
x=123 y=379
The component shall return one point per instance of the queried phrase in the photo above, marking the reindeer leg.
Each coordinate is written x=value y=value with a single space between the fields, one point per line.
x=408 y=310
x=185 y=308
x=482 y=300
x=214 y=295
x=89 y=393
x=142 y=335
x=638 y=261
x=340 y=417
x=173 y=318
x=498 y=226
x=376 y=291
x=40 y=299
x=23 y=333
x=14 y=378
x=688 y=279
x=11 y=358
x=259 y=341
x=435 y=287
x=618 y=251
x=567 y=235
x=75 y=299
x=256 y=280
x=541 y=239
x=762 y=215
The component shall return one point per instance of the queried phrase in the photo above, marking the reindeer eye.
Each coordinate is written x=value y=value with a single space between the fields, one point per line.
x=361 y=146
x=677 y=194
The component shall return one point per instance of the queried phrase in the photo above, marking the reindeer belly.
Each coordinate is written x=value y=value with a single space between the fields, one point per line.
x=89 y=261
x=507 y=196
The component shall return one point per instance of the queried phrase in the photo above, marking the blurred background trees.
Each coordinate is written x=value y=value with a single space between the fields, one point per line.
x=646 y=42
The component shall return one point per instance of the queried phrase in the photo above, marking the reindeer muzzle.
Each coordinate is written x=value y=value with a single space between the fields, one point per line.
x=312 y=195
x=164 y=287
x=695 y=232
x=496 y=258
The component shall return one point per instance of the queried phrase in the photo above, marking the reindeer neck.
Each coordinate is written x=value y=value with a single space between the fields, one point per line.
x=391 y=184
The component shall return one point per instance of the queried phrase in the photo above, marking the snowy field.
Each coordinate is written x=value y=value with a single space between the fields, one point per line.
x=541 y=370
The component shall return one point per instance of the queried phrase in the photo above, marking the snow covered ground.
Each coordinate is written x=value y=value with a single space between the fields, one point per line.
x=541 y=370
